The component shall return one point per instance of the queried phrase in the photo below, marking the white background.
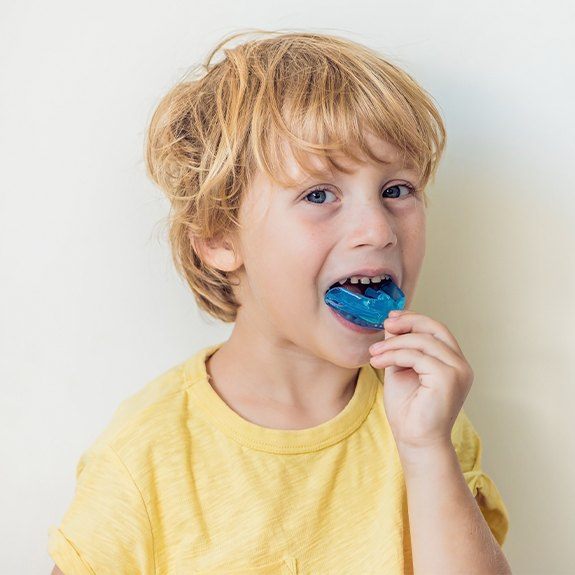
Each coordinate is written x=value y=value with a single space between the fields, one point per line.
x=92 y=309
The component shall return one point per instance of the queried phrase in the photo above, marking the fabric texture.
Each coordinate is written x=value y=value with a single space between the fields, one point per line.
x=179 y=483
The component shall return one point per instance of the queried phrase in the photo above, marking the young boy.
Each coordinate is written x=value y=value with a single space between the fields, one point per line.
x=304 y=444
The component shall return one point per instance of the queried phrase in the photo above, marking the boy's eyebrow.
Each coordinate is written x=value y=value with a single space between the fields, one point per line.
x=329 y=172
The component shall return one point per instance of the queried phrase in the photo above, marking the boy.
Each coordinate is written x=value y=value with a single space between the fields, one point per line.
x=304 y=443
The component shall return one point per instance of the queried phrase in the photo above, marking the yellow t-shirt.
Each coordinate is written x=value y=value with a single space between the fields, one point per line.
x=179 y=483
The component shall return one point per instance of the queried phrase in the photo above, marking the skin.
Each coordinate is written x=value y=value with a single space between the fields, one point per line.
x=288 y=362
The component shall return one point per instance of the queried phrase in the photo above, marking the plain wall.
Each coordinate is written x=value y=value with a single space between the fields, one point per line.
x=92 y=309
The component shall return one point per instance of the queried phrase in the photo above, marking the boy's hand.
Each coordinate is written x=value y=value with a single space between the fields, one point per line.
x=427 y=379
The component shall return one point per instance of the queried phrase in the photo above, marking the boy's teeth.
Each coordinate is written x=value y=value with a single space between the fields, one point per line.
x=365 y=280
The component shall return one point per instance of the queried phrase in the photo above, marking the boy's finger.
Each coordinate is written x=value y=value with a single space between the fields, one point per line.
x=409 y=322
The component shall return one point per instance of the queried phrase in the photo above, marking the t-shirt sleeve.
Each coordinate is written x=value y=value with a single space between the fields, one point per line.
x=106 y=528
x=468 y=446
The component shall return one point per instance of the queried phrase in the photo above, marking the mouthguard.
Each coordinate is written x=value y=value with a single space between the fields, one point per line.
x=370 y=309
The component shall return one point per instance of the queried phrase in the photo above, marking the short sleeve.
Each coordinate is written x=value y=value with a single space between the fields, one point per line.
x=106 y=529
x=468 y=446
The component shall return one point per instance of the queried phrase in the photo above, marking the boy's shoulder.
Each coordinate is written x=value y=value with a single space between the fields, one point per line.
x=150 y=413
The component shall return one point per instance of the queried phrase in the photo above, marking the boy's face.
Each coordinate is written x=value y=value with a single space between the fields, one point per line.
x=295 y=245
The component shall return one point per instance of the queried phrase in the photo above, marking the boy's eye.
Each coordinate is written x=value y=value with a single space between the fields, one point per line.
x=319 y=192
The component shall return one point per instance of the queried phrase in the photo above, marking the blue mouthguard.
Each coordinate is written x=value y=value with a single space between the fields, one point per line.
x=370 y=309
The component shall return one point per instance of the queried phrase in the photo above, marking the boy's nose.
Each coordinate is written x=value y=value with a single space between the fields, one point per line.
x=373 y=226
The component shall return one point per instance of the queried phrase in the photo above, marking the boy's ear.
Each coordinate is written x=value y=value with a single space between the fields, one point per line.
x=218 y=252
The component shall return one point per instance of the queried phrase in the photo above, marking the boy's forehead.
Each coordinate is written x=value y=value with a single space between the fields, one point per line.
x=317 y=166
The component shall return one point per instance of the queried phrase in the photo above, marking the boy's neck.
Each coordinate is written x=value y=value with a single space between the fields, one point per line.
x=251 y=385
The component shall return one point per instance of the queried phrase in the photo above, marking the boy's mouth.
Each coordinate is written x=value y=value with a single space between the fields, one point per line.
x=355 y=288
x=360 y=287
x=365 y=303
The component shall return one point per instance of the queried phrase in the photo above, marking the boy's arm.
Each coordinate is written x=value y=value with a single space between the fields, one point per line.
x=449 y=535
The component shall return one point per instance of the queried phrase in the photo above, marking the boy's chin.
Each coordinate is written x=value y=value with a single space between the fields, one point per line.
x=348 y=353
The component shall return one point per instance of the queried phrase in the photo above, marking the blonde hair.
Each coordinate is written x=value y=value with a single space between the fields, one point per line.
x=317 y=92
